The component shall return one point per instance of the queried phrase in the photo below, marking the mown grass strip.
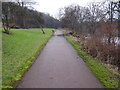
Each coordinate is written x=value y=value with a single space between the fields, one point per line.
x=0 y=57
x=20 y=49
x=108 y=79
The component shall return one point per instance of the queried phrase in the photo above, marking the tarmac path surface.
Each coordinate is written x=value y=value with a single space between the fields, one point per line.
x=59 y=66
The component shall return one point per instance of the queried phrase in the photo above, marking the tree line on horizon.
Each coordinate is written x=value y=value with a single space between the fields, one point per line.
x=18 y=15
x=94 y=29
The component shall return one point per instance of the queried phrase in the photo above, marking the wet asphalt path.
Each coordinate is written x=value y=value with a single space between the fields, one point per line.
x=59 y=66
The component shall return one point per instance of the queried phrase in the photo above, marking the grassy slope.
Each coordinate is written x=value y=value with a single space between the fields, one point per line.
x=19 y=51
x=0 y=57
x=102 y=73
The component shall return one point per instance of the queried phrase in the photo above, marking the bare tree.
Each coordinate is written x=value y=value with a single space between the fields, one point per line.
x=84 y=19
x=40 y=20
x=7 y=10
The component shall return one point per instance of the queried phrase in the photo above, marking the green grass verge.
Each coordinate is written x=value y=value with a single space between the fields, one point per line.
x=20 y=49
x=0 y=58
x=108 y=79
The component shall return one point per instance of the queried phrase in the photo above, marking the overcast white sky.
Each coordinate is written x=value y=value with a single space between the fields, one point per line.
x=52 y=6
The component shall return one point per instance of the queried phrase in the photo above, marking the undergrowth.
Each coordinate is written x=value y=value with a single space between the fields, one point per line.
x=108 y=79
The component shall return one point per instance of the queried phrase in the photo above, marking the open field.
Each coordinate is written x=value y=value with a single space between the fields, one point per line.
x=107 y=78
x=19 y=51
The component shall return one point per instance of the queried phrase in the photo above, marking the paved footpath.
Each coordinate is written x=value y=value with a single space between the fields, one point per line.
x=59 y=66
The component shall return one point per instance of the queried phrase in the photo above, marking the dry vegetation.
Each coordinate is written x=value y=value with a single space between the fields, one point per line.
x=96 y=29
x=102 y=45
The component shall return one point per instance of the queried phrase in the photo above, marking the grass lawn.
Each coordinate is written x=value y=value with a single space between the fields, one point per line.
x=108 y=79
x=0 y=58
x=20 y=49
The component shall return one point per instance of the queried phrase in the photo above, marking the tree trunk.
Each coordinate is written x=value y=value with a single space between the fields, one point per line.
x=6 y=25
x=42 y=29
